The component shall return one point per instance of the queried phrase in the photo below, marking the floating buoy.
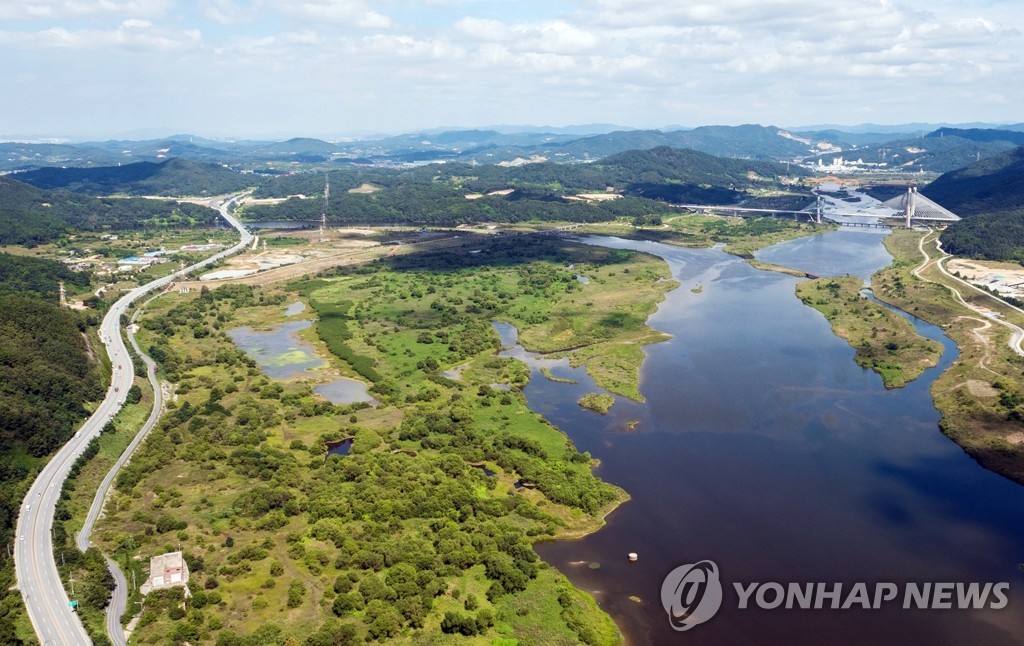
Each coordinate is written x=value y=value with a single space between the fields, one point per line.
x=632 y=557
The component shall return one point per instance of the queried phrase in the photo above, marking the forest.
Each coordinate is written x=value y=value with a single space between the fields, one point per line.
x=424 y=531
x=436 y=194
x=37 y=276
x=988 y=236
x=46 y=377
x=989 y=196
x=173 y=177
x=31 y=216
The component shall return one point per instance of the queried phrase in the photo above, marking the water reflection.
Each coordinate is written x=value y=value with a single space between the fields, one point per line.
x=280 y=352
x=764 y=447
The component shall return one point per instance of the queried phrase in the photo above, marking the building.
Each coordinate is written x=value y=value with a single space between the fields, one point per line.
x=166 y=571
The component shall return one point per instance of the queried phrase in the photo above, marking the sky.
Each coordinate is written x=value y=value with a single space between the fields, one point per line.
x=336 y=68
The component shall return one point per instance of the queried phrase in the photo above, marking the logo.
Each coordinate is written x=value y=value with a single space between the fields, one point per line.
x=691 y=594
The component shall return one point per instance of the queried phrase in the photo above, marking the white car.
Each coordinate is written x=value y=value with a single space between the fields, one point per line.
x=22 y=537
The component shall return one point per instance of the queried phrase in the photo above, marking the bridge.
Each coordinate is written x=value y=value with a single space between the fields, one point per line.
x=914 y=206
x=910 y=207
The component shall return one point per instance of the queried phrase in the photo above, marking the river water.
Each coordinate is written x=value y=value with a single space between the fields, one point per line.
x=763 y=447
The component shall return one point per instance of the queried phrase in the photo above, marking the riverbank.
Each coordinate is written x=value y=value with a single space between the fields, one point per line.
x=739 y=236
x=884 y=341
x=980 y=396
x=317 y=521
x=757 y=423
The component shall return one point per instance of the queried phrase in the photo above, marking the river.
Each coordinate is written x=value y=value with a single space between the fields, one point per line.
x=763 y=447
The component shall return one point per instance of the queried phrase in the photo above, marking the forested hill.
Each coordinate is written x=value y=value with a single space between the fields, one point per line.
x=174 y=177
x=981 y=134
x=991 y=185
x=438 y=193
x=31 y=216
x=46 y=376
x=37 y=276
x=661 y=170
x=990 y=197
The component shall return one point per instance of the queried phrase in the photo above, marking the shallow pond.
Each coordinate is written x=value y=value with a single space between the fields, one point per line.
x=345 y=391
x=280 y=352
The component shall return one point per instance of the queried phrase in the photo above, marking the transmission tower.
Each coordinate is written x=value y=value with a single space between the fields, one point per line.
x=327 y=200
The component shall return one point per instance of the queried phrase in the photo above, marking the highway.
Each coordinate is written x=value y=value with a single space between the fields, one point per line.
x=48 y=605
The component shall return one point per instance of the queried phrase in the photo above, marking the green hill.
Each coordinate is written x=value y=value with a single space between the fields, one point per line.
x=437 y=193
x=174 y=177
x=31 y=216
x=992 y=185
x=990 y=197
x=37 y=275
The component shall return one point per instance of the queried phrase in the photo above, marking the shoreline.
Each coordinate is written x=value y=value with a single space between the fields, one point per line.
x=629 y=636
x=978 y=423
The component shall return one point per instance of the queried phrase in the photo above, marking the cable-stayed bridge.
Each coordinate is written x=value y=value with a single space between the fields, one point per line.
x=910 y=207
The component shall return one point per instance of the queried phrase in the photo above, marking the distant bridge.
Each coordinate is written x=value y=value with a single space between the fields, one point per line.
x=740 y=209
x=911 y=206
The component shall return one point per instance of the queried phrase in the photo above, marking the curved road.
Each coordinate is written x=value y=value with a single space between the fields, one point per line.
x=47 y=603
x=119 y=596
x=1016 y=332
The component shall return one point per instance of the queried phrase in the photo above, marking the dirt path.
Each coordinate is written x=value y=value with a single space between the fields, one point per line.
x=1016 y=333
x=339 y=259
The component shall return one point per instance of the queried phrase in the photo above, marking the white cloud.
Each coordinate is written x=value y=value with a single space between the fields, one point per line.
x=556 y=61
x=65 y=9
x=334 y=12
x=226 y=12
x=136 y=35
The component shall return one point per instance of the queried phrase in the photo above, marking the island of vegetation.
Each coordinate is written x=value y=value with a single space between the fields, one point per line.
x=885 y=341
x=597 y=402
x=558 y=380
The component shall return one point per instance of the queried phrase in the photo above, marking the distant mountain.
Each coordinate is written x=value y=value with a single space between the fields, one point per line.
x=933 y=154
x=990 y=194
x=583 y=130
x=747 y=141
x=628 y=184
x=174 y=177
x=981 y=134
x=684 y=166
x=846 y=140
x=19 y=156
x=297 y=146
x=903 y=130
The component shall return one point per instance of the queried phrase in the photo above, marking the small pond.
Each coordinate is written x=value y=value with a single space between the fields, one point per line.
x=345 y=391
x=340 y=447
x=279 y=351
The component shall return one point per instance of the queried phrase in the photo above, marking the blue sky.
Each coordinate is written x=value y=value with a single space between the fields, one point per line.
x=330 y=68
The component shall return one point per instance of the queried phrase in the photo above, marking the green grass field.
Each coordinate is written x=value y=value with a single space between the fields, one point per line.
x=885 y=341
